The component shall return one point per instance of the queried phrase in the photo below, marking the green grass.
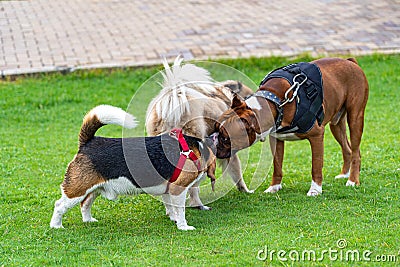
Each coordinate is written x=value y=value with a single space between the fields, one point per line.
x=40 y=118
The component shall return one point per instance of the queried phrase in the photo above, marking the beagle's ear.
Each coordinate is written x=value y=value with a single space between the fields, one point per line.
x=245 y=123
x=237 y=102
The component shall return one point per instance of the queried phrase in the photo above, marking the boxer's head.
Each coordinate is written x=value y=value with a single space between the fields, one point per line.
x=237 y=128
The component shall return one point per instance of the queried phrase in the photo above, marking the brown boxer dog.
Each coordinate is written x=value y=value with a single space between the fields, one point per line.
x=274 y=109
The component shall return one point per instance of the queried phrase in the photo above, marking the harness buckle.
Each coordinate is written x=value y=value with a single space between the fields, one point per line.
x=296 y=85
x=299 y=75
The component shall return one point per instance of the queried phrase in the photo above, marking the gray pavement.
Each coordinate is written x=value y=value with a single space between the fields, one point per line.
x=43 y=35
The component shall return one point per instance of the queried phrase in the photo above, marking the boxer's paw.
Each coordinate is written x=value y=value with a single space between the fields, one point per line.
x=343 y=175
x=315 y=190
x=273 y=188
x=350 y=183
x=313 y=193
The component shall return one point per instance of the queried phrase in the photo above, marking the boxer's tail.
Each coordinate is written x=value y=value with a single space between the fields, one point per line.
x=352 y=59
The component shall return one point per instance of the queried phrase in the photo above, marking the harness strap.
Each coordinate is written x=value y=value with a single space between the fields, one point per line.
x=305 y=81
x=186 y=153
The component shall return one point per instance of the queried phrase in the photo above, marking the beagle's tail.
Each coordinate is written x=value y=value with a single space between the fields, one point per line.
x=103 y=115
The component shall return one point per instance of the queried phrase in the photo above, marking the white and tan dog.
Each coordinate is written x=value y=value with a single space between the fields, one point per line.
x=129 y=166
x=191 y=100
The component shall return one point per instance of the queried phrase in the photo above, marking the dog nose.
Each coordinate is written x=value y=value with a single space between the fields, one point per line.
x=223 y=155
x=214 y=138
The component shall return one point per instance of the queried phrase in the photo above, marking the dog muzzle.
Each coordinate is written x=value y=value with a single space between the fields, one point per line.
x=214 y=138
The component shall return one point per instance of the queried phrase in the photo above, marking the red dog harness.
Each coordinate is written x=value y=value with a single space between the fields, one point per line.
x=186 y=153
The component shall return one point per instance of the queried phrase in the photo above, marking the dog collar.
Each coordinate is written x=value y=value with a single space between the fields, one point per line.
x=274 y=99
x=185 y=154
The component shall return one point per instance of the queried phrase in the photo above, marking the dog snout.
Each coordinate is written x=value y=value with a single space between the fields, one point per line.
x=214 y=138
x=210 y=142
x=223 y=154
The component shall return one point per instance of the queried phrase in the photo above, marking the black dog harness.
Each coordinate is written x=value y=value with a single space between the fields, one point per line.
x=306 y=83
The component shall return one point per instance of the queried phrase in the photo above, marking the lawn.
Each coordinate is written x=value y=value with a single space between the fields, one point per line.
x=40 y=119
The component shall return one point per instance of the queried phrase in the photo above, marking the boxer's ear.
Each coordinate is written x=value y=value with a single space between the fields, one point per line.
x=245 y=122
x=255 y=125
x=252 y=123
x=237 y=102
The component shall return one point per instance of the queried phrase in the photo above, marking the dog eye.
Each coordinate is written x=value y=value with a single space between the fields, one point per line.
x=224 y=139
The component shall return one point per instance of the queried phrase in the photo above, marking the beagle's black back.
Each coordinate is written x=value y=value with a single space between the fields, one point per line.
x=145 y=161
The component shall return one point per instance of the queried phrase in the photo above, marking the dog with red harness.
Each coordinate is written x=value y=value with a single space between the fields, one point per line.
x=296 y=102
x=166 y=165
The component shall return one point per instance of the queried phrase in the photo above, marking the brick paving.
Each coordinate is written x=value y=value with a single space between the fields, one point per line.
x=42 y=35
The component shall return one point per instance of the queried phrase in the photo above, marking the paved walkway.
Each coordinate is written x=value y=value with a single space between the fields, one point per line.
x=43 y=35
